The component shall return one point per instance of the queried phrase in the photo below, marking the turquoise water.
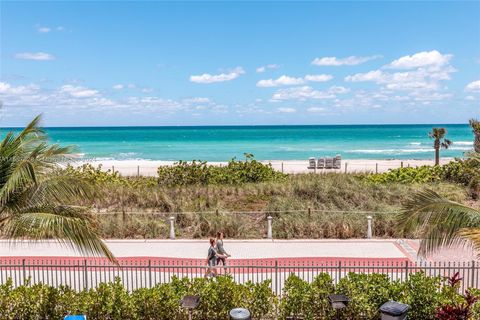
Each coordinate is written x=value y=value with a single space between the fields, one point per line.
x=265 y=142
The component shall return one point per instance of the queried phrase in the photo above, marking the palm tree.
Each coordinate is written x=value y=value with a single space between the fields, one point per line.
x=35 y=195
x=475 y=124
x=440 y=142
x=439 y=222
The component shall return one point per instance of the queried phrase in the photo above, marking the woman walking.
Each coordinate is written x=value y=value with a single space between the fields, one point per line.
x=212 y=257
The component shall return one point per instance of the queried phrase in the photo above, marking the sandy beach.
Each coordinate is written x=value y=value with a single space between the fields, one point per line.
x=149 y=167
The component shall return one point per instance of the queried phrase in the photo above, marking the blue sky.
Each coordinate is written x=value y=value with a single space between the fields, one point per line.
x=228 y=63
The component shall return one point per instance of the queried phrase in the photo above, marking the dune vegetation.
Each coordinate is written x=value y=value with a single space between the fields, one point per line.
x=331 y=205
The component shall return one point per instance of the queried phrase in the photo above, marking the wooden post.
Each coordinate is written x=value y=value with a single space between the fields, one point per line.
x=369 y=227
x=309 y=212
x=282 y=166
x=113 y=169
x=172 y=228
x=346 y=166
x=376 y=167
x=138 y=171
x=401 y=164
x=269 y=227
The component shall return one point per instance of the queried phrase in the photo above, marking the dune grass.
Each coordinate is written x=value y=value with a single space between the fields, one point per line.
x=338 y=203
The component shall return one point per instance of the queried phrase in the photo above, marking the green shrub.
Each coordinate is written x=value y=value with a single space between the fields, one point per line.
x=465 y=172
x=200 y=173
x=367 y=292
x=110 y=301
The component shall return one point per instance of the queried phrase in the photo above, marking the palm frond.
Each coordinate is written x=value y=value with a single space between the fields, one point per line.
x=436 y=220
x=71 y=230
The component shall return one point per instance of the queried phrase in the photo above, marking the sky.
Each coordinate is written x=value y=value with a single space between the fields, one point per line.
x=110 y=63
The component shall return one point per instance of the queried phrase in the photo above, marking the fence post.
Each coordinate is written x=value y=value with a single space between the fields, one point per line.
x=149 y=273
x=346 y=166
x=85 y=275
x=24 y=271
x=339 y=275
x=172 y=228
x=369 y=227
x=401 y=164
x=276 y=277
x=282 y=166
x=138 y=171
x=113 y=169
x=472 y=283
x=376 y=167
x=309 y=212
x=269 y=227
x=406 y=270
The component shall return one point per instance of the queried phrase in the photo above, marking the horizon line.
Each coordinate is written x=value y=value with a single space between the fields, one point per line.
x=243 y=125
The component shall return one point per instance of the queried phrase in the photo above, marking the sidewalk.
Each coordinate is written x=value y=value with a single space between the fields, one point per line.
x=239 y=249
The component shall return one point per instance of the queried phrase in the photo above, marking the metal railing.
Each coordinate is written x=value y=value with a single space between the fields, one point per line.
x=137 y=273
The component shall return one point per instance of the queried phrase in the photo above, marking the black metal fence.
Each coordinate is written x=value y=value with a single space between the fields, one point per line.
x=137 y=273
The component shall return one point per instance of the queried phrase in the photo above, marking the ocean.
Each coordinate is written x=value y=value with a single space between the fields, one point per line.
x=264 y=142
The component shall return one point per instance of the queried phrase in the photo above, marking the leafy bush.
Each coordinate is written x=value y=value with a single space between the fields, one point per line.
x=465 y=172
x=428 y=297
x=367 y=292
x=199 y=172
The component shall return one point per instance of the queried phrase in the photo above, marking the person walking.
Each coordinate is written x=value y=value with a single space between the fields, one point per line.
x=221 y=250
x=212 y=257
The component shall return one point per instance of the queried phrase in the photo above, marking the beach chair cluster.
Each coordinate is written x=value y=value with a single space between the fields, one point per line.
x=325 y=163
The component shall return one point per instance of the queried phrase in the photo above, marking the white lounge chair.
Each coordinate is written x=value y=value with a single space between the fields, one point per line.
x=337 y=162
x=328 y=163
x=321 y=163
x=311 y=163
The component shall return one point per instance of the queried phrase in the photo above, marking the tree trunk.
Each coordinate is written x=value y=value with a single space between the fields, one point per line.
x=437 y=156
x=476 y=143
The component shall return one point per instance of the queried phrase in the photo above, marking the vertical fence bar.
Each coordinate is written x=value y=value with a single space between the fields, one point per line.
x=85 y=274
x=276 y=277
x=149 y=273
x=472 y=281
x=24 y=272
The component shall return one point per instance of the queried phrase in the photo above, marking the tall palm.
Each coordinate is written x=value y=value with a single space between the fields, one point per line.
x=475 y=124
x=439 y=222
x=440 y=142
x=35 y=196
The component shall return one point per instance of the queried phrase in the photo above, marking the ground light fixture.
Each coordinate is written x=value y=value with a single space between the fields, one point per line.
x=240 y=314
x=393 y=310
x=190 y=303
x=338 y=302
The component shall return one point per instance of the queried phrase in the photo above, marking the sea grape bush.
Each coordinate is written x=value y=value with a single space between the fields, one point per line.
x=201 y=173
x=429 y=297
x=465 y=172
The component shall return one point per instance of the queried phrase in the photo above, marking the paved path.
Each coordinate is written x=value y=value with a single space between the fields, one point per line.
x=239 y=249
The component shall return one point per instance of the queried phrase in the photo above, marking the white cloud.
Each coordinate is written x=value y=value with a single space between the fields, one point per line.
x=473 y=86
x=209 y=78
x=8 y=89
x=425 y=72
x=118 y=86
x=375 y=75
x=470 y=98
x=78 y=92
x=348 y=61
x=420 y=59
x=306 y=92
x=38 y=56
x=316 y=109
x=281 y=81
x=264 y=68
x=287 y=110
x=44 y=29
x=318 y=77
x=291 y=81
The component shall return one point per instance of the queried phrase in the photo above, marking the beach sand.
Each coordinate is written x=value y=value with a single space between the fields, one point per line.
x=149 y=167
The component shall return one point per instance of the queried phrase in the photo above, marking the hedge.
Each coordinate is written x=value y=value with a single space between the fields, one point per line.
x=429 y=298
